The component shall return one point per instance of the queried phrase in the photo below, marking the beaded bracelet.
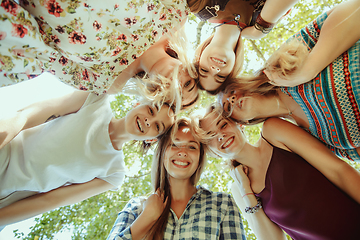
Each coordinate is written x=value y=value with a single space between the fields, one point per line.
x=255 y=208
x=262 y=25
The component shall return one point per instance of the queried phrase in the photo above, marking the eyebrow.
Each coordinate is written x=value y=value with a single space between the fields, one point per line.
x=163 y=130
x=156 y=106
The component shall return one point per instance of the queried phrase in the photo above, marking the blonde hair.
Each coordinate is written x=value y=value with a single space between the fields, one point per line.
x=158 y=88
x=239 y=62
x=288 y=58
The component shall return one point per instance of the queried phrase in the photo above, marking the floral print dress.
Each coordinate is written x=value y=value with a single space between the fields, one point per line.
x=87 y=44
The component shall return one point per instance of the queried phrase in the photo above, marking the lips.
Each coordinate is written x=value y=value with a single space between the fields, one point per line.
x=139 y=125
x=218 y=61
x=228 y=143
x=180 y=163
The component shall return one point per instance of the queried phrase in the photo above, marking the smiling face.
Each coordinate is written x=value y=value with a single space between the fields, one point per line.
x=215 y=65
x=227 y=138
x=148 y=121
x=182 y=156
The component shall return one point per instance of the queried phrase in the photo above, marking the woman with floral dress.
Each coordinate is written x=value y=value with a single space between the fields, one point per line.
x=87 y=44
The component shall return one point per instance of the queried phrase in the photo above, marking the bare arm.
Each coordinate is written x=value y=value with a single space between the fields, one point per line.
x=259 y=222
x=339 y=32
x=40 y=203
x=38 y=113
x=272 y=11
x=280 y=132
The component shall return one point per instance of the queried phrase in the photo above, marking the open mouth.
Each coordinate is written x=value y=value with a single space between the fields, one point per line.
x=228 y=143
x=218 y=61
x=139 y=125
x=180 y=163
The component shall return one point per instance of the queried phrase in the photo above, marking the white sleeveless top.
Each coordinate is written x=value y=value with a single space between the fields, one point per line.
x=75 y=148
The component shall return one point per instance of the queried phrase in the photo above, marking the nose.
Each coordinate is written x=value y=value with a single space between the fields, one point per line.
x=231 y=99
x=214 y=69
x=182 y=154
x=147 y=122
x=221 y=137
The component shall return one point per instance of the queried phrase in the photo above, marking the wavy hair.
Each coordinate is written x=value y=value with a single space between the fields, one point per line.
x=286 y=61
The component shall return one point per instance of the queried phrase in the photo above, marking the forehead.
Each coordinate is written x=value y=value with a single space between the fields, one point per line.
x=184 y=134
x=210 y=120
x=165 y=114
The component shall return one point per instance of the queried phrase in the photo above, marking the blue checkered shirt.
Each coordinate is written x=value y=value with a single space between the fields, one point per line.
x=208 y=215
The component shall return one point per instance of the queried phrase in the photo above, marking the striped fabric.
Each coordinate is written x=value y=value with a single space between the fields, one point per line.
x=207 y=216
x=331 y=100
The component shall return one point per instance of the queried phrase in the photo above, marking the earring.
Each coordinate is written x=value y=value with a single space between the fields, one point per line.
x=150 y=141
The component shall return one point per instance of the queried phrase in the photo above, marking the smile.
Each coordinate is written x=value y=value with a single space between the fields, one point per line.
x=180 y=163
x=139 y=125
x=218 y=61
x=228 y=143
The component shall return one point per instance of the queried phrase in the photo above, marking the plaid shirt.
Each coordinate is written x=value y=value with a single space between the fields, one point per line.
x=207 y=216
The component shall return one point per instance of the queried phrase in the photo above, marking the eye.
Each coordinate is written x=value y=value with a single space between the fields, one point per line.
x=192 y=147
x=187 y=83
x=204 y=70
x=223 y=125
x=151 y=111
x=157 y=127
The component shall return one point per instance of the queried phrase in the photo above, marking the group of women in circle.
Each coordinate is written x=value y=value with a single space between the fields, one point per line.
x=291 y=180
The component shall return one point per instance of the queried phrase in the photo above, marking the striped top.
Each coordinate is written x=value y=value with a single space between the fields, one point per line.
x=331 y=100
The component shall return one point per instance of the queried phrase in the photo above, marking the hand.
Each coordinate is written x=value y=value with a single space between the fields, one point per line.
x=240 y=176
x=154 y=205
x=252 y=33
x=278 y=79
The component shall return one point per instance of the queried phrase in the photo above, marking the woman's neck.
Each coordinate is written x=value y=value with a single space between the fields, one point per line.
x=257 y=158
x=180 y=198
x=226 y=36
x=117 y=133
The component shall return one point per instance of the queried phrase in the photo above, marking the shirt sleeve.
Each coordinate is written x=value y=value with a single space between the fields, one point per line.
x=232 y=226
x=121 y=228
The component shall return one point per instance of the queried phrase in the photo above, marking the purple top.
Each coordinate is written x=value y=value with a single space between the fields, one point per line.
x=305 y=204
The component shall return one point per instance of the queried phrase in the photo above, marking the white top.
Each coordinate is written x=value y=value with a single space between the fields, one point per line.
x=75 y=148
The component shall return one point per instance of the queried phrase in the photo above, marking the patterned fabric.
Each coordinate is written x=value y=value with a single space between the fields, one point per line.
x=207 y=216
x=87 y=44
x=331 y=100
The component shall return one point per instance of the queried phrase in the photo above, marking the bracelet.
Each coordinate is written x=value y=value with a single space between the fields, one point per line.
x=262 y=25
x=247 y=194
x=255 y=208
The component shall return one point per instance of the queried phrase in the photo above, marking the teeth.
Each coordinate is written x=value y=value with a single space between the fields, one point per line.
x=218 y=61
x=139 y=125
x=181 y=163
x=227 y=143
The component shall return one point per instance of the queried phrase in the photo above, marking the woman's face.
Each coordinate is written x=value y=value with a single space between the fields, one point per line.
x=228 y=138
x=215 y=65
x=182 y=156
x=241 y=107
x=166 y=66
x=148 y=121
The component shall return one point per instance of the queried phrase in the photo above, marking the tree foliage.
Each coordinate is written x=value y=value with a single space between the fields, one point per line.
x=94 y=217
